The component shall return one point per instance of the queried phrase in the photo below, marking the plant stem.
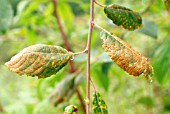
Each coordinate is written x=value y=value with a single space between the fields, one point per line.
x=111 y=34
x=81 y=101
x=88 y=56
x=99 y=27
x=82 y=52
x=99 y=4
x=63 y=34
x=67 y=45
x=93 y=85
x=115 y=37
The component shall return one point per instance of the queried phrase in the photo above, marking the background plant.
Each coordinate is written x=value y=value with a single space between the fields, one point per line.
x=29 y=26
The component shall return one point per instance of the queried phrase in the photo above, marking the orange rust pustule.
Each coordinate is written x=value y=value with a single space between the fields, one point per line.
x=126 y=57
x=39 y=60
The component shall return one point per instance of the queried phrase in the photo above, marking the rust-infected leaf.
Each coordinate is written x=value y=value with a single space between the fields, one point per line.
x=39 y=60
x=124 y=17
x=126 y=57
x=98 y=106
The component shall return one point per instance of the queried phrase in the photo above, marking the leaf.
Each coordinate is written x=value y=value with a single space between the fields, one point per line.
x=126 y=57
x=64 y=90
x=122 y=16
x=150 y=29
x=105 y=67
x=6 y=14
x=101 y=78
x=167 y=5
x=39 y=60
x=161 y=60
x=71 y=109
x=98 y=106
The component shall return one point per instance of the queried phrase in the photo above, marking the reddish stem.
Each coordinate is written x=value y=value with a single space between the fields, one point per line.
x=67 y=45
x=81 y=101
x=88 y=56
x=64 y=37
x=99 y=4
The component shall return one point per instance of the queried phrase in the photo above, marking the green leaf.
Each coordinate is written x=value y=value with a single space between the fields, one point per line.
x=124 y=17
x=98 y=106
x=64 y=90
x=6 y=14
x=39 y=60
x=149 y=28
x=100 y=75
x=161 y=60
x=105 y=67
x=71 y=109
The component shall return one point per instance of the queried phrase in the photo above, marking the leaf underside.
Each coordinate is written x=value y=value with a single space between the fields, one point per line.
x=124 y=17
x=126 y=57
x=39 y=60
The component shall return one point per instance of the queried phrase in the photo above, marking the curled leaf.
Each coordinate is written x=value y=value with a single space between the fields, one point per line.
x=99 y=106
x=126 y=57
x=39 y=60
x=122 y=16
x=71 y=109
x=64 y=90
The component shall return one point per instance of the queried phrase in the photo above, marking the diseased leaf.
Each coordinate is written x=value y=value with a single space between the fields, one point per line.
x=39 y=60
x=71 y=109
x=122 y=16
x=126 y=57
x=98 y=106
x=64 y=90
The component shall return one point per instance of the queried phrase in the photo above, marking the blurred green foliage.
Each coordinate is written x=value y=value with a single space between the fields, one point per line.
x=28 y=22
